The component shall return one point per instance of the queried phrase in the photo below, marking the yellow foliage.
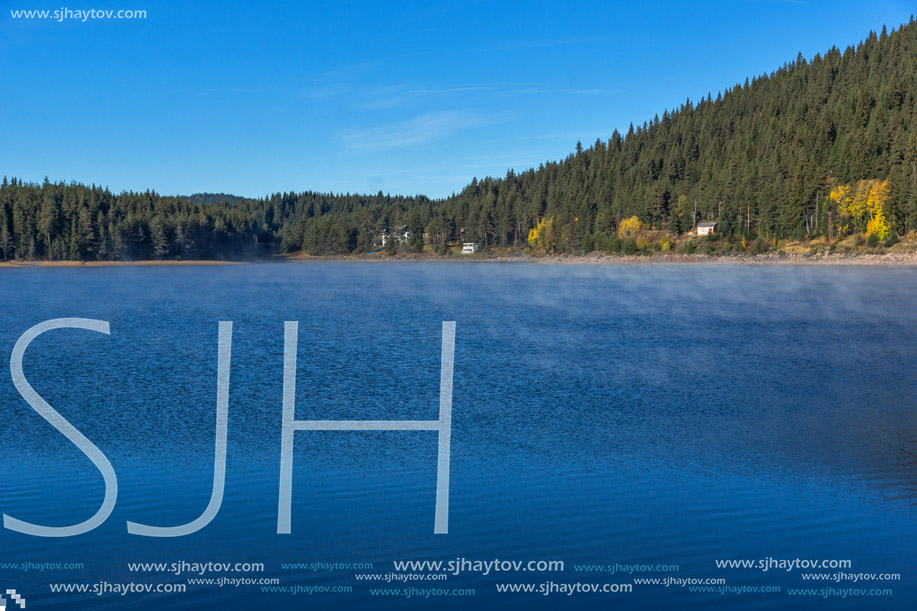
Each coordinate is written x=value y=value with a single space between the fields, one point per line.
x=878 y=225
x=665 y=244
x=533 y=237
x=543 y=235
x=860 y=202
x=642 y=243
x=839 y=194
x=681 y=207
x=629 y=227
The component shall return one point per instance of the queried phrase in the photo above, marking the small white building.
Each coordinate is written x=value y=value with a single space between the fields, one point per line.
x=402 y=235
x=706 y=228
x=469 y=248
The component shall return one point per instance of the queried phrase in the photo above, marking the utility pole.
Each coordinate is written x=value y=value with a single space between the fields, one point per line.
x=695 y=212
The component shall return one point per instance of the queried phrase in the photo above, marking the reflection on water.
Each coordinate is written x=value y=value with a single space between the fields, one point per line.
x=602 y=414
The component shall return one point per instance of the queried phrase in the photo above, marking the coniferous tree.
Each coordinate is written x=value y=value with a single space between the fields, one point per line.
x=760 y=158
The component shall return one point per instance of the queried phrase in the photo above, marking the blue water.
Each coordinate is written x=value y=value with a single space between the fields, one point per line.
x=633 y=415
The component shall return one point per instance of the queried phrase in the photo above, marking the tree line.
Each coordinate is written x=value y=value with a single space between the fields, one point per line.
x=770 y=157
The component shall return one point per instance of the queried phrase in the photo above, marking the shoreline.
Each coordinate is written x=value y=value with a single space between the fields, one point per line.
x=859 y=259
x=874 y=259
x=899 y=259
x=81 y=264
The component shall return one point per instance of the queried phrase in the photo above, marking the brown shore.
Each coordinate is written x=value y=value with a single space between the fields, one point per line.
x=893 y=258
x=889 y=258
x=764 y=259
x=33 y=264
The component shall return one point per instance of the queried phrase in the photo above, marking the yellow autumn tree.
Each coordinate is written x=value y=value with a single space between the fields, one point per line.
x=864 y=202
x=858 y=208
x=630 y=227
x=877 y=198
x=548 y=237
x=878 y=225
x=543 y=234
x=840 y=197
x=533 y=236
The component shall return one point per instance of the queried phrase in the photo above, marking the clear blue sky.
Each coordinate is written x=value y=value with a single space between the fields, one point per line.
x=257 y=97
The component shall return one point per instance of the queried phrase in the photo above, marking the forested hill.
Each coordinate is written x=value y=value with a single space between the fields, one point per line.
x=215 y=198
x=826 y=146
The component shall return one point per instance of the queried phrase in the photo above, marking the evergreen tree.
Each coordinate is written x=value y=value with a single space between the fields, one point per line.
x=760 y=158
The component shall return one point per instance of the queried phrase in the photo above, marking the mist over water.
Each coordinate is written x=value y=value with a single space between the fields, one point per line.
x=601 y=414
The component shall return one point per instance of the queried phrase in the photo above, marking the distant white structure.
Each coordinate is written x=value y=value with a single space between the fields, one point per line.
x=402 y=235
x=469 y=248
x=706 y=228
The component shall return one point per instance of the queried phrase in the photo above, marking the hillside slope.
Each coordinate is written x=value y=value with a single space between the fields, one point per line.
x=826 y=147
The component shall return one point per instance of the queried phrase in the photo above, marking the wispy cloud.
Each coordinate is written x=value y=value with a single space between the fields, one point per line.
x=422 y=129
x=394 y=96
x=327 y=90
x=562 y=91
x=447 y=90
x=526 y=45
x=516 y=90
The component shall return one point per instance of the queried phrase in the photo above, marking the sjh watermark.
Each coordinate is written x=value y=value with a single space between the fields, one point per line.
x=442 y=426
x=67 y=14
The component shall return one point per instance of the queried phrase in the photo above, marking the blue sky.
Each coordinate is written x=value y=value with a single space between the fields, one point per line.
x=416 y=97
